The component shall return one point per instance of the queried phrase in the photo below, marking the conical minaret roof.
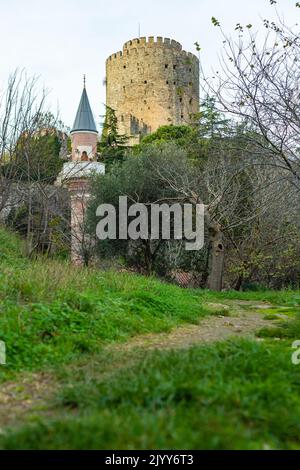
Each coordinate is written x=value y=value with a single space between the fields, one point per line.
x=84 y=120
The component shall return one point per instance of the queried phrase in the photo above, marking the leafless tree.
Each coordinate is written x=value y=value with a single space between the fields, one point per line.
x=267 y=251
x=231 y=192
x=24 y=117
x=20 y=107
x=258 y=84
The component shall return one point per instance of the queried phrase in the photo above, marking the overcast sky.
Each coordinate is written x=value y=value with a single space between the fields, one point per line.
x=61 y=40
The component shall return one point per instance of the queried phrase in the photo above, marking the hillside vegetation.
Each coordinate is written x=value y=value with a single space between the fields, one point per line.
x=52 y=312
x=66 y=331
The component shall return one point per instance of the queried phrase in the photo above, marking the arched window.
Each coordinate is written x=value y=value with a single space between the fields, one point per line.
x=84 y=157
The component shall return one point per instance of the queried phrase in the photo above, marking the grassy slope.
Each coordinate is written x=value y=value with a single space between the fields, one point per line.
x=237 y=394
x=51 y=312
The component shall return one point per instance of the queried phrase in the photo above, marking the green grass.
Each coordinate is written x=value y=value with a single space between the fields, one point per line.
x=233 y=395
x=284 y=329
x=287 y=297
x=52 y=313
x=57 y=318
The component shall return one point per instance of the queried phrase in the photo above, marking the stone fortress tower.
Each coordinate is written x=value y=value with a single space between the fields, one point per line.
x=152 y=83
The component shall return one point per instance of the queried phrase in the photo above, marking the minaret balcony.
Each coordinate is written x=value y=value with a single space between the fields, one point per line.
x=80 y=169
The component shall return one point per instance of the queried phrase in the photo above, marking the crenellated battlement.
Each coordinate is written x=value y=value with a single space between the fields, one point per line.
x=151 y=42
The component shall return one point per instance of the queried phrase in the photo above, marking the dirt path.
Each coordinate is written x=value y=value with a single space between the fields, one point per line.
x=29 y=393
x=32 y=391
x=244 y=319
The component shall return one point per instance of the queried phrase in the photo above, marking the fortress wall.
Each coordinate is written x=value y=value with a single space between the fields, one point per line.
x=150 y=83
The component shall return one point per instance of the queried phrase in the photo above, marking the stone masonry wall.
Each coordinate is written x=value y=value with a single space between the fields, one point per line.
x=150 y=84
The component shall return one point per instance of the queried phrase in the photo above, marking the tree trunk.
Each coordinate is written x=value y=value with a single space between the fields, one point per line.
x=205 y=272
x=238 y=283
x=215 y=278
x=148 y=258
x=29 y=224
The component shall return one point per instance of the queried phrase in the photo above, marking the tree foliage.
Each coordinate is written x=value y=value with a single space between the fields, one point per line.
x=113 y=145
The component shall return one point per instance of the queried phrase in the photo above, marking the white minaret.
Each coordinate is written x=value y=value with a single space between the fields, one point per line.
x=76 y=173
